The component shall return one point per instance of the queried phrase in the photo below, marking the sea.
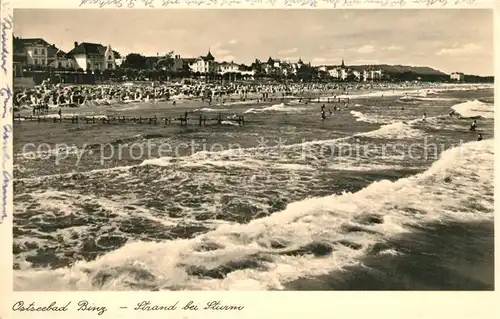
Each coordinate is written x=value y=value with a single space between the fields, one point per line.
x=371 y=198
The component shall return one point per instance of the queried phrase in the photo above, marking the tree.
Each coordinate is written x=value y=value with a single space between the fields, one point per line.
x=165 y=62
x=351 y=77
x=106 y=74
x=97 y=73
x=134 y=61
x=306 y=73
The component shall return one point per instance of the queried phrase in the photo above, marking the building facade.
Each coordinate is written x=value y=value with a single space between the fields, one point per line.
x=228 y=67
x=204 y=64
x=93 y=56
x=178 y=64
x=457 y=76
x=30 y=52
x=57 y=58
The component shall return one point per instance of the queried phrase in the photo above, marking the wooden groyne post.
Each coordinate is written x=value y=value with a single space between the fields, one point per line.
x=184 y=119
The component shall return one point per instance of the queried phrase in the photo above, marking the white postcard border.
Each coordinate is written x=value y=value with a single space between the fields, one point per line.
x=466 y=305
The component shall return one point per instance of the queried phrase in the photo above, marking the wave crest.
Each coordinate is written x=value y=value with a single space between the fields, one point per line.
x=312 y=236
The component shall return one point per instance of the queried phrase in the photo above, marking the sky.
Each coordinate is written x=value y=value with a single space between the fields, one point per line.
x=445 y=39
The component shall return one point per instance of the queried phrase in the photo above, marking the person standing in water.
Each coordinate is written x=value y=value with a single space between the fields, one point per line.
x=479 y=137
x=424 y=117
x=473 y=126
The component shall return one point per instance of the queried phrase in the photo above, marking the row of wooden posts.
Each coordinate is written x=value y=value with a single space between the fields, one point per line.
x=183 y=119
x=301 y=99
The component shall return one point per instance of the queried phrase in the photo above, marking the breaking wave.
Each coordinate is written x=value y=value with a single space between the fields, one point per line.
x=308 y=238
x=275 y=108
x=475 y=109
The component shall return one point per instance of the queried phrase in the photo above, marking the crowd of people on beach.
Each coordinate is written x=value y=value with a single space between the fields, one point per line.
x=40 y=98
x=47 y=95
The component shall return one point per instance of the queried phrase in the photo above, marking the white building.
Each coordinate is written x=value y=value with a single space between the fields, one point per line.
x=59 y=59
x=93 y=56
x=230 y=67
x=343 y=74
x=31 y=51
x=204 y=64
x=357 y=75
x=340 y=72
x=366 y=75
x=375 y=75
x=457 y=76
x=334 y=73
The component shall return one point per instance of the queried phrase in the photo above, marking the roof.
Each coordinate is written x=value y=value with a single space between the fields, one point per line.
x=30 y=41
x=20 y=44
x=272 y=61
x=189 y=60
x=209 y=56
x=53 y=51
x=88 y=48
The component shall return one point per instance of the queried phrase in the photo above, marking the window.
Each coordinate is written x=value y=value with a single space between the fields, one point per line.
x=42 y=51
x=110 y=65
x=36 y=51
x=35 y=61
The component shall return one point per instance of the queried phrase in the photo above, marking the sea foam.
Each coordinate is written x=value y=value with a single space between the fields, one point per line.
x=267 y=253
x=475 y=109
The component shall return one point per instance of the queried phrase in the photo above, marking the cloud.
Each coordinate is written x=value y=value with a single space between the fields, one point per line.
x=394 y=48
x=218 y=49
x=469 y=48
x=291 y=58
x=233 y=42
x=288 y=51
x=365 y=49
